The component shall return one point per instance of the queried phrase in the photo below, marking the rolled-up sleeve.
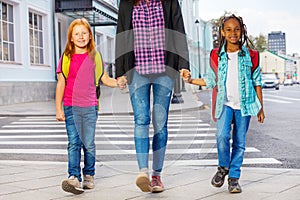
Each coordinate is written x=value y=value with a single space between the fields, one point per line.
x=210 y=78
x=256 y=77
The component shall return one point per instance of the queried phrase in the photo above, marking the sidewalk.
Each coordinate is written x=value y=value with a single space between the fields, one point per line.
x=29 y=180
x=112 y=101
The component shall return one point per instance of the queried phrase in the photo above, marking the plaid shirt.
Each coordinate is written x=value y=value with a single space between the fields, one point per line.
x=149 y=37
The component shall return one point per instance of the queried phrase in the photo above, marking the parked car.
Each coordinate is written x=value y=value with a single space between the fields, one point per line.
x=270 y=81
x=288 y=81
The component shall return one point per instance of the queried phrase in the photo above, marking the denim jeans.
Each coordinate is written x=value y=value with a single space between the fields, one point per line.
x=234 y=159
x=81 y=126
x=140 y=92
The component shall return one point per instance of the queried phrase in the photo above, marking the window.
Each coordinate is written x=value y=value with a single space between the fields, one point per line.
x=110 y=48
x=100 y=42
x=36 y=38
x=7 y=52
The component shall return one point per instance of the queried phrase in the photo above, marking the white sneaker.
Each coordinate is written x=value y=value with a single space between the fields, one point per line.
x=72 y=185
x=88 y=182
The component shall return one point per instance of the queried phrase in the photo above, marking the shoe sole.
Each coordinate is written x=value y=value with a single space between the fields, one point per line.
x=88 y=187
x=67 y=187
x=143 y=183
x=157 y=189
x=235 y=191
x=217 y=185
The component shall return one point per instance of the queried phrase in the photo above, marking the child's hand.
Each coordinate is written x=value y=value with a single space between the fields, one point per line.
x=121 y=82
x=261 y=116
x=186 y=75
x=60 y=115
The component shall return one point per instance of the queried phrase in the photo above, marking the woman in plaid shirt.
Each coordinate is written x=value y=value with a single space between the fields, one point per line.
x=151 y=47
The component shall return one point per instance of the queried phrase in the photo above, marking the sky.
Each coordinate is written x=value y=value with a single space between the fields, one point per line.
x=261 y=17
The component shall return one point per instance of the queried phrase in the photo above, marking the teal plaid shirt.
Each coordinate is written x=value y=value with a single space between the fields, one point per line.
x=250 y=104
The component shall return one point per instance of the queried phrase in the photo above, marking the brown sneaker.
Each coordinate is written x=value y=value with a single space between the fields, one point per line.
x=156 y=184
x=72 y=185
x=218 y=179
x=143 y=182
x=234 y=186
x=88 y=182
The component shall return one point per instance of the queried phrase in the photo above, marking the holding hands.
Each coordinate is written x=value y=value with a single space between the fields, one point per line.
x=121 y=82
x=186 y=75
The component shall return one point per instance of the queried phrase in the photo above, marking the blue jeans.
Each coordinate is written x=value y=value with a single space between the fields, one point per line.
x=140 y=91
x=81 y=126
x=234 y=159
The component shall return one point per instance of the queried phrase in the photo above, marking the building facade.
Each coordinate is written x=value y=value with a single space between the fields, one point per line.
x=277 y=42
x=26 y=51
x=34 y=34
x=285 y=67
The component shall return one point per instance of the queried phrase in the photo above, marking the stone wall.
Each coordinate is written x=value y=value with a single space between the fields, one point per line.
x=19 y=92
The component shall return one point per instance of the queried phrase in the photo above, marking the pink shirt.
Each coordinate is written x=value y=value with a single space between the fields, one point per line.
x=80 y=85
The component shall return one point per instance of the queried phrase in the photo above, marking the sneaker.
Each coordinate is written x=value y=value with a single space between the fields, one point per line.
x=219 y=177
x=156 y=184
x=234 y=186
x=88 y=182
x=143 y=182
x=72 y=185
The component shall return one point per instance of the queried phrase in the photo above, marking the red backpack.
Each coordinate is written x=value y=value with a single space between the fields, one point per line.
x=214 y=65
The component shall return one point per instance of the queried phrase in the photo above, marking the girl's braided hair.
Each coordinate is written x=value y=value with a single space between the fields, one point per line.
x=244 y=37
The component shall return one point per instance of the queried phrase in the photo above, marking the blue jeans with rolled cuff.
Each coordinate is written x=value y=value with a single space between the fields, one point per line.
x=81 y=127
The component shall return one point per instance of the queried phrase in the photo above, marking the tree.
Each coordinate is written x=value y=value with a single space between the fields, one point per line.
x=260 y=42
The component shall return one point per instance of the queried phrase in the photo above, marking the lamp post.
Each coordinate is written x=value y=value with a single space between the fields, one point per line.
x=198 y=39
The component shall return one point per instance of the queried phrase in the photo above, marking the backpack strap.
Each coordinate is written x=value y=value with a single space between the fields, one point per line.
x=214 y=60
x=98 y=68
x=254 y=54
x=214 y=66
x=65 y=66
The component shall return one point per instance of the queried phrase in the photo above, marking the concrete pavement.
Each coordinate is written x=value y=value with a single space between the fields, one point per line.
x=42 y=180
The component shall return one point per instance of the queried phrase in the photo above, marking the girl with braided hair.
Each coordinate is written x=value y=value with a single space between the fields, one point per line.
x=238 y=98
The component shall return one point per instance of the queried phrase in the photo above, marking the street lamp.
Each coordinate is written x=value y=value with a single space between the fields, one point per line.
x=198 y=38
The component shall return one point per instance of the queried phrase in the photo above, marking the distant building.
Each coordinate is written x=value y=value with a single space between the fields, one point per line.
x=281 y=65
x=277 y=42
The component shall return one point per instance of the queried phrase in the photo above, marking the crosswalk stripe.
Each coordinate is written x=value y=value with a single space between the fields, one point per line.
x=202 y=162
x=101 y=136
x=103 y=142
x=281 y=97
x=98 y=126
x=117 y=151
x=107 y=122
x=276 y=100
x=25 y=131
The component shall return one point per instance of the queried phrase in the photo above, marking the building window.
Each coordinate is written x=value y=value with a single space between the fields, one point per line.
x=110 y=52
x=100 y=43
x=36 y=38
x=7 y=52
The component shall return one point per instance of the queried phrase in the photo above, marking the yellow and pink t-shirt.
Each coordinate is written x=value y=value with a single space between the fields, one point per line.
x=80 y=87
